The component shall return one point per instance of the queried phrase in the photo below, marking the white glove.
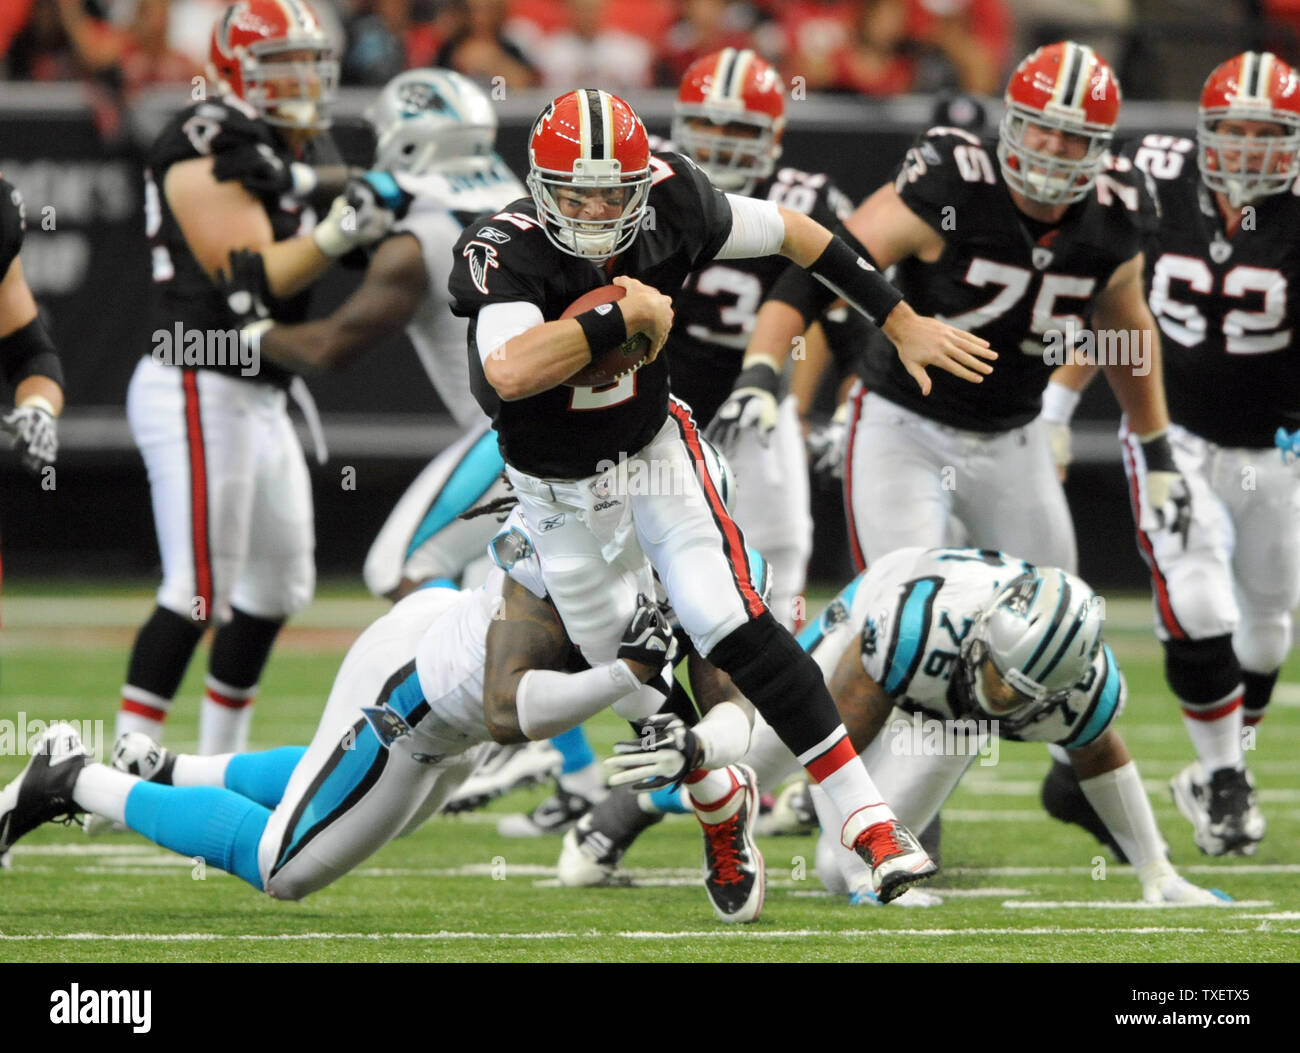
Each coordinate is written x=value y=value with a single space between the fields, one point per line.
x=826 y=444
x=751 y=404
x=1169 y=501
x=666 y=752
x=34 y=427
x=1059 y=403
x=363 y=213
x=1170 y=887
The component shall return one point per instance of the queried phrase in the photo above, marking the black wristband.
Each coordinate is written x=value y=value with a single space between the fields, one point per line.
x=29 y=352
x=761 y=376
x=848 y=275
x=798 y=289
x=1158 y=454
x=604 y=328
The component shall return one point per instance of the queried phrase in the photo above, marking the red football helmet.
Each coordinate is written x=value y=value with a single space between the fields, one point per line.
x=1065 y=86
x=740 y=96
x=276 y=56
x=589 y=140
x=1254 y=86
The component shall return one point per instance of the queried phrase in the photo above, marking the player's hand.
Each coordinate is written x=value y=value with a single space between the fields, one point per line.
x=35 y=429
x=647 y=640
x=244 y=287
x=1172 y=888
x=646 y=310
x=665 y=752
x=826 y=444
x=1060 y=442
x=1169 y=500
x=260 y=170
x=751 y=406
x=924 y=341
x=366 y=210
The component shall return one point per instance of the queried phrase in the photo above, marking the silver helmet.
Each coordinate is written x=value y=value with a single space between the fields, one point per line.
x=430 y=118
x=1030 y=646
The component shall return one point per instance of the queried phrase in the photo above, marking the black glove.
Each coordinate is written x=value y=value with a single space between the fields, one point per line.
x=665 y=752
x=35 y=429
x=244 y=287
x=260 y=170
x=648 y=637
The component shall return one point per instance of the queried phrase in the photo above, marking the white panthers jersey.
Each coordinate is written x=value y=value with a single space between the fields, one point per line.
x=444 y=203
x=913 y=608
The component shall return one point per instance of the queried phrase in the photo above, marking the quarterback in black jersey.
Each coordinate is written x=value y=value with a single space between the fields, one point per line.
x=1224 y=271
x=231 y=494
x=610 y=478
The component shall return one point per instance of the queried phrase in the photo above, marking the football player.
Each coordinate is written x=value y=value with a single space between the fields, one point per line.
x=1223 y=275
x=1034 y=242
x=603 y=208
x=441 y=672
x=957 y=645
x=231 y=494
x=27 y=354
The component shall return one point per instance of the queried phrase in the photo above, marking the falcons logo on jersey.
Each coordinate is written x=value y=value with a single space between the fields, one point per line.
x=482 y=257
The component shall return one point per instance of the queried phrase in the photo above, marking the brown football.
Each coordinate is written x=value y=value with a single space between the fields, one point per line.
x=628 y=357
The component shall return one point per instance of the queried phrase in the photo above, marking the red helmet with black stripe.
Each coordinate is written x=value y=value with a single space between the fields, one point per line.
x=729 y=117
x=277 y=57
x=1065 y=86
x=1248 y=127
x=589 y=145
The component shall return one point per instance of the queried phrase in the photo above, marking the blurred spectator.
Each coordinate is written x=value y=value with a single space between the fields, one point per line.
x=130 y=58
x=883 y=47
x=1102 y=25
x=479 y=47
x=705 y=26
x=190 y=31
x=590 y=52
x=13 y=16
x=42 y=50
x=385 y=37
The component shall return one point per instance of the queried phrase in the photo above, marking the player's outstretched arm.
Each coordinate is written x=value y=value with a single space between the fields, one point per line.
x=217 y=218
x=523 y=356
x=387 y=299
x=527 y=698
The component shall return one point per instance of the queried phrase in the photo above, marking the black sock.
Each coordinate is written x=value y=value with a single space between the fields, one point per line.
x=162 y=652
x=1259 y=689
x=240 y=649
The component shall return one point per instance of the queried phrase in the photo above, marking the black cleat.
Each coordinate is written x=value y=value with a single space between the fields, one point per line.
x=43 y=791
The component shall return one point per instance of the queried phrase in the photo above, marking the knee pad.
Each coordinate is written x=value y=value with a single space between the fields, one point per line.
x=1202 y=671
x=1262 y=642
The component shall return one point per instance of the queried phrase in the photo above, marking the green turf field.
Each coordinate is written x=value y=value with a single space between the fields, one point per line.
x=1019 y=887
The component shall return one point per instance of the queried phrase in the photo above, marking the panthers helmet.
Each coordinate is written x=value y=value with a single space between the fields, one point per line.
x=428 y=118
x=719 y=468
x=589 y=140
x=1039 y=635
x=1066 y=86
x=277 y=57
x=738 y=98
x=1253 y=86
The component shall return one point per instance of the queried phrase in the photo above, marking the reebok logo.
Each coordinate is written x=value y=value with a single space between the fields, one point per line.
x=102 y=1007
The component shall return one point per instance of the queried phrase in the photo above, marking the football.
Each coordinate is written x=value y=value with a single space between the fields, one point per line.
x=627 y=358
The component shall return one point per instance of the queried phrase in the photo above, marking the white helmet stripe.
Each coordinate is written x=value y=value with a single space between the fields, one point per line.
x=720 y=88
x=1248 y=86
x=739 y=73
x=607 y=124
x=1072 y=81
x=299 y=14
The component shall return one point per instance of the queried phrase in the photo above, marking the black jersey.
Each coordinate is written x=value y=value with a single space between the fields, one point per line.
x=1227 y=304
x=1024 y=286
x=184 y=294
x=564 y=433
x=713 y=315
x=13 y=224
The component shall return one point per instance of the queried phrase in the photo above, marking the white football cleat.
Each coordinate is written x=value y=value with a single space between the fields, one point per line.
x=895 y=856
x=734 y=876
x=503 y=770
x=1222 y=811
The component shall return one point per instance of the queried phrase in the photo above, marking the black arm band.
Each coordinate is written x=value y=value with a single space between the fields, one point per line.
x=29 y=352
x=797 y=288
x=761 y=376
x=1158 y=454
x=605 y=330
x=849 y=275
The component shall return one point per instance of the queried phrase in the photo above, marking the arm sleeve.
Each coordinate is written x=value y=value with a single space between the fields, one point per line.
x=757 y=229
x=499 y=322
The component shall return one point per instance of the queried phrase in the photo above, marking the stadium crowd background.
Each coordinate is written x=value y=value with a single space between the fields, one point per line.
x=84 y=84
